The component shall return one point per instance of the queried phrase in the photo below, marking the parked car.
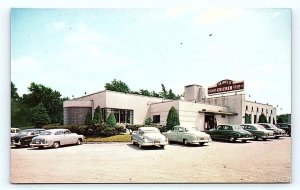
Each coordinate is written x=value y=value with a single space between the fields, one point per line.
x=230 y=132
x=14 y=131
x=56 y=138
x=277 y=132
x=187 y=135
x=258 y=131
x=286 y=127
x=24 y=137
x=148 y=136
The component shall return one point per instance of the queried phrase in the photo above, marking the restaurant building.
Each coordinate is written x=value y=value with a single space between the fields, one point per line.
x=223 y=103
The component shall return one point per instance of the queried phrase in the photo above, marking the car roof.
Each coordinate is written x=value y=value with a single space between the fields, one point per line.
x=54 y=130
x=34 y=129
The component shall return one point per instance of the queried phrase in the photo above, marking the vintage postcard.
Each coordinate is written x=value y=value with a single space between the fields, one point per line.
x=175 y=95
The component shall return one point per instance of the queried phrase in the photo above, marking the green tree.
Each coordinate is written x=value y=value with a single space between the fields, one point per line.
x=163 y=93
x=247 y=118
x=148 y=121
x=262 y=118
x=144 y=92
x=40 y=116
x=51 y=100
x=118 y=86
x=283 y=118
x=97 y=116
x=111 y=120
x=88 y=119
x=154 y=94
x=172 y=119
x=13 y=92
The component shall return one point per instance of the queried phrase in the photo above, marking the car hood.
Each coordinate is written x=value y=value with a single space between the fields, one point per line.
x=17 y=137
x=44 y=137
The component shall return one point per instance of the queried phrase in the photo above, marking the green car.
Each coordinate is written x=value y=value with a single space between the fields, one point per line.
x=258 y=131
x=231 y=133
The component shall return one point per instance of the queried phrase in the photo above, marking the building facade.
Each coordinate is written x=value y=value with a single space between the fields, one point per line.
x=196 y=109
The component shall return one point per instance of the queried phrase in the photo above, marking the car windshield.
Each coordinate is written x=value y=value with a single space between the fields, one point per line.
x=26 y=132
x=191 y=129
x=272 y=126
x=237 y=127
x=46 y=133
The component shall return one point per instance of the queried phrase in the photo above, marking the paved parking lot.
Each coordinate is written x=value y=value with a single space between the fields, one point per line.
x=219 y=162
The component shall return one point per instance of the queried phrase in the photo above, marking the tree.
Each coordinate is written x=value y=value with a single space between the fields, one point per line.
x=118 y=86
x=172 y=119
x=154 y=94
x=247 y=118
x=148 y=121
x=262 y=118
x=51 y=100
x=97 y=116
x=144 y=92
x=40 y=116
x=111 y=120
x=13 y=91
x=88 y=119
x=283 y=118
x=163 y=93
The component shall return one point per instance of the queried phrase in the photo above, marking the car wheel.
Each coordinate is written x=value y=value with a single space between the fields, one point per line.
x=232 y=139
x=255 y=138
x=40 y=147
x=201 y=144
x=18 y=146
x=276 y=137
x=79 y=142
x=56 y=144
x=264 y=139
x=243 y=141
x=162 y=146
x=289 y=134
x=185 y=142
x=140 y=146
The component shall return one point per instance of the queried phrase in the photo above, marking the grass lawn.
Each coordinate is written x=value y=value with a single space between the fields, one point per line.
x=116 y=138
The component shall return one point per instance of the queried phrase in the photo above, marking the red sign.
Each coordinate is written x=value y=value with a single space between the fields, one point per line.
x=226 y=86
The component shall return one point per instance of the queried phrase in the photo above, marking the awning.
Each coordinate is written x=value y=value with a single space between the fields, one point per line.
x=219 y=113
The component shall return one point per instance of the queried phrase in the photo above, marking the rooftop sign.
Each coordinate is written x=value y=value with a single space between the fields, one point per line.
x=226 y=86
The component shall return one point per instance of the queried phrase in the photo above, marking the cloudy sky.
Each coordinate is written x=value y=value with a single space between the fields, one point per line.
x=79 y=50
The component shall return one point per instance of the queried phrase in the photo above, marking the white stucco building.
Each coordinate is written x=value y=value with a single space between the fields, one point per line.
x=196 y=109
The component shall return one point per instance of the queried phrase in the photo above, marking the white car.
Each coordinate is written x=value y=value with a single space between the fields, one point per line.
x=55 y=138
x=148 y=136
x=14 y=131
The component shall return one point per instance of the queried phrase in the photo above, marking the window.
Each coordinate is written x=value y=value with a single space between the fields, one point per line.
x=67 y=132
x=252 y=108
x=246 y=107
x=262 y=109
x=156 y=118
x=121 y=115
x=271 y=111
x=59 y=133
x=257 y=109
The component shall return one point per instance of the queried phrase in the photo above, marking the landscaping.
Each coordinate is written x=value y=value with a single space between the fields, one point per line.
x=116 y=138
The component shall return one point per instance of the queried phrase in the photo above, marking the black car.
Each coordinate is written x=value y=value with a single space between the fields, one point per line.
x=24 y=137
x=286 y=127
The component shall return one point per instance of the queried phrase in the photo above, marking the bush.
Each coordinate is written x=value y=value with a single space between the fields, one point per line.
x=111 y=120
x=148 y=121
x=262 y=118
x=172 y=119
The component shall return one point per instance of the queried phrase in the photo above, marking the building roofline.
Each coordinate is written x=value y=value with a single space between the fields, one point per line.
x=260 y=103
x=193 y=85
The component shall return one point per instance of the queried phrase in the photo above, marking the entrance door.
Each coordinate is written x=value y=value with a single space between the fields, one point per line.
x=209 y=121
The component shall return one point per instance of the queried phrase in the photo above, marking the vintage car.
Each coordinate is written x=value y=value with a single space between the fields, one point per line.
x=285 y=126
x=148 y=136
x=277 y=132
x=14 y=131
x=258 y=131
x=24 y=137
x=56 y=138
x=230 y=132
x=187 y=135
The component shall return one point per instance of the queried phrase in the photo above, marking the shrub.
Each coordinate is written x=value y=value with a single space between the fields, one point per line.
x=262 y=118
x=111 y=120
x=97 y=116
x=172 y=119
x=247 y=118
x=148 y=121
x=88 y=119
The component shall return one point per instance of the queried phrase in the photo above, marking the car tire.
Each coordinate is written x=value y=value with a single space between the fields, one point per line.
x=264 y=139
x=56 y=144
x=18 y=146
x=202 y=143
x=276 y=137
x=232 y=139
x=255 y=138
x=185 y=142
x=40 y=147
x=140 y=146
x=289 y=134
x=243 y=141
x=162 y=146
x=79 y=142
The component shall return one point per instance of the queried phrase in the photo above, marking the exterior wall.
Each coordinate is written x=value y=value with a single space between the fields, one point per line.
x=75 y=111
x=139 y=104
x=254 y=108
x=235 y=103
x=98 y=99
x=162 y=109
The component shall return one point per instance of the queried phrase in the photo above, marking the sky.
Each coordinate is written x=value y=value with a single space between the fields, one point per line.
x=75 y=51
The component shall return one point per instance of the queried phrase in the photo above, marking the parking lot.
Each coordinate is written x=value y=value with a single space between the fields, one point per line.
x=217 y=162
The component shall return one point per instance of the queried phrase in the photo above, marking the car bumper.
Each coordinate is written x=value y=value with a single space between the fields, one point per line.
x=39 y=145
x=245 y=138
x=267 y=137
x=153 y=143
x=200 y=141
